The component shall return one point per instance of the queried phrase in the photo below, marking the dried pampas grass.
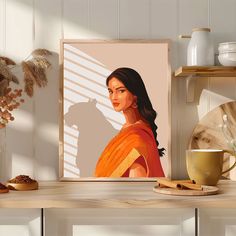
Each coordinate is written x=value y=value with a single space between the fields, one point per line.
x=40 y=79
x=34 y=71
x=28 y=78
x=41 y=52
x=41 y=62
x=38 y=73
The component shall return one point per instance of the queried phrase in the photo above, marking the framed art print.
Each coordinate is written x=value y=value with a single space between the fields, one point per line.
x=115 y=110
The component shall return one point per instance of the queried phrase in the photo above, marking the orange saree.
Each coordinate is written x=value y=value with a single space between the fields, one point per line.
x=128 y=146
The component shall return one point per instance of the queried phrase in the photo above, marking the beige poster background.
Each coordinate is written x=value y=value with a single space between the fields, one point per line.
x=89 y=121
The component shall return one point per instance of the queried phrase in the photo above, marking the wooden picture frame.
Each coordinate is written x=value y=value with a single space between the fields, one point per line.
x=84 y=65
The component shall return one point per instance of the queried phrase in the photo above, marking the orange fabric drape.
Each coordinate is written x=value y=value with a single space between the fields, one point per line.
x=126 y=147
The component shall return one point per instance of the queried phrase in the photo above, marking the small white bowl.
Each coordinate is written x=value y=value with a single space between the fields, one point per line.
x=225 y=51
x=227 y=59
x=227 y=47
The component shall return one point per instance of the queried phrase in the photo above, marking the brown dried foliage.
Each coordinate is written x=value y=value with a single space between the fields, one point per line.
x=6 y=61
x=6 y=73
x=34 y=71
x=8 y=102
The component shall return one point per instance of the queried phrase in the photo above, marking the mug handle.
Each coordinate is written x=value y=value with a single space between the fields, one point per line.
x=233 y=154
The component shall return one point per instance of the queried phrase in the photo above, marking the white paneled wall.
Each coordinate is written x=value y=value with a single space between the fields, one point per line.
x=134 y=19
x=32 y=141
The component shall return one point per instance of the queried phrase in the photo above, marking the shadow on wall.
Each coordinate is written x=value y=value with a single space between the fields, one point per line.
x=32 y=138
x=94 y=134
x=47 y=123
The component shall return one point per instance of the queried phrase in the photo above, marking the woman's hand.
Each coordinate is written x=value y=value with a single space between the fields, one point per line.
x=137 y=170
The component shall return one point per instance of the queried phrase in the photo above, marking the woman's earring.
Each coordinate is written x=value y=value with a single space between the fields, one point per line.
x=134 y=105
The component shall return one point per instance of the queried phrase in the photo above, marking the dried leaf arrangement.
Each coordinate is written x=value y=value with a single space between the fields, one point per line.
x=34 y=71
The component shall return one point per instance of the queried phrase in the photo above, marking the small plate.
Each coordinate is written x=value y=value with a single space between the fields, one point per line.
x=22 y=186
x=207 y=190
x=5 y=190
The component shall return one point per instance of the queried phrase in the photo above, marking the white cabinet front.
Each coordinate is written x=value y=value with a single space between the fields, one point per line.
x=119 y=222
x=217 y=222
x=20 y=222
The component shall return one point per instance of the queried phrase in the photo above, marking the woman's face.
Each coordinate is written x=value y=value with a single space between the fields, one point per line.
x=121 y=98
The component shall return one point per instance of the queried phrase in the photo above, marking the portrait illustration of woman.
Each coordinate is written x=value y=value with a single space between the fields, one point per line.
x=134 y=151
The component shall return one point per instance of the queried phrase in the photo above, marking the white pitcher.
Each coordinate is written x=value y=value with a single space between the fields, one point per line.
x=200 y=48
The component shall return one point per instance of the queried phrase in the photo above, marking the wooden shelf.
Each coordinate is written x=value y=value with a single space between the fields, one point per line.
x=193 y=72
x=206 y=71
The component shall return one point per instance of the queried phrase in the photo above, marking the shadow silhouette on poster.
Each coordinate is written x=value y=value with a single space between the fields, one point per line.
x=94 y=133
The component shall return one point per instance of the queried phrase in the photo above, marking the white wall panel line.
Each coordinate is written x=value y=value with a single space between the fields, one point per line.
x=19 y=16
x=48 y=25
x=209 y=13
x=3 y=167
x=189 y=12
x=76 y=19
x=103 y=24
x=208 y=101
x=33 y=23
x=149 y=2
x=89 y=14
x=176 y=101
x=179 y=89
x=62 y=19
x=134 y=19
x=2 y=52
x=2 y=26
x=118 y=19
x=19 y=44
x=33 y=105
x=223 y=29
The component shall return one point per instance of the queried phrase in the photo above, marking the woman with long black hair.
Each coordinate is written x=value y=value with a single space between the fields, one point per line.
x=134 y=151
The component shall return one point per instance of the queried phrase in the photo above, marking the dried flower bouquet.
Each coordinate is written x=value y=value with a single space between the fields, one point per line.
x=34 y=71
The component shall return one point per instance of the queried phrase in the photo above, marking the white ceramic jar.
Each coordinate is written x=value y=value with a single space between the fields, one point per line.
x=200 y=48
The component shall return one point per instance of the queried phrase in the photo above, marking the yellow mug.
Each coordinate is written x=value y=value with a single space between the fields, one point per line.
x=204 y=166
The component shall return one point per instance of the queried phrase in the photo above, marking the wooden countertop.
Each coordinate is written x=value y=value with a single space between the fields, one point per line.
x=113 y=195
